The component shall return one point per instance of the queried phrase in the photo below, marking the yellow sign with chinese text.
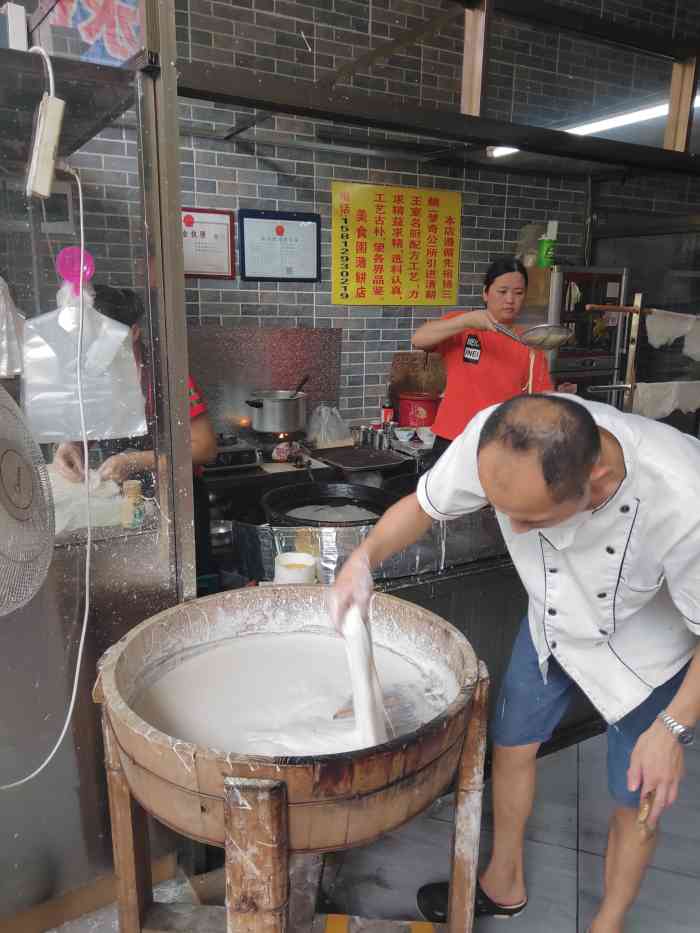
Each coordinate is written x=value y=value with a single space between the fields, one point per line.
x=395 y=246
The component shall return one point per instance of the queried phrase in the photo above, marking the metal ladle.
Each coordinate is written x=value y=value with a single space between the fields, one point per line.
x=539 y=337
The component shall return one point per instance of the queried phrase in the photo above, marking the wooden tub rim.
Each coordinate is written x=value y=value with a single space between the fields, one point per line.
x=108 y=694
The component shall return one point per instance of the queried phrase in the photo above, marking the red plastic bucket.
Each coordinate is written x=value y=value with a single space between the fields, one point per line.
x=417 y=409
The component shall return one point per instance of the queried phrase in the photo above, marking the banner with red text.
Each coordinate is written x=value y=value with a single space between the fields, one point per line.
x=395 y=246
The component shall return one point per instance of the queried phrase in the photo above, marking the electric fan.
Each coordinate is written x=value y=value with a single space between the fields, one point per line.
x=26 y=511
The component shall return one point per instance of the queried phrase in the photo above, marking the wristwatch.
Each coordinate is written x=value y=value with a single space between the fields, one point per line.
x=684 y=734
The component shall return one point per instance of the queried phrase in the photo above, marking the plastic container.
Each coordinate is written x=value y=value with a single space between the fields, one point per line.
x=295 y=567
x=417 y=409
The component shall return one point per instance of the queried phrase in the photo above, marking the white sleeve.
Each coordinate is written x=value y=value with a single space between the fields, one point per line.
x=682 y=571
x=452 y=487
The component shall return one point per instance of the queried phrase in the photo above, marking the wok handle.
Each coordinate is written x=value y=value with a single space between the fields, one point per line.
x=254 y=403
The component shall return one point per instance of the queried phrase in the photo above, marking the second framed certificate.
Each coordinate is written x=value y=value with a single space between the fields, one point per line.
x=280 y=246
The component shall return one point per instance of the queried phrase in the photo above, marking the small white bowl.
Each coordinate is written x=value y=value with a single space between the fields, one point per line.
x=404 y=434
x=426 y=435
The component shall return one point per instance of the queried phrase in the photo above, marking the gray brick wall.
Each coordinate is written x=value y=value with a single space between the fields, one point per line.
x=495 y=207
x=532 y=74
x=114 y=228
x=677 y=18
x=311 y=40
x=541 y=77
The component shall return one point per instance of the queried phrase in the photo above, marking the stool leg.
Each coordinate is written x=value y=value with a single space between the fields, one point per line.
x=467 y=828
x=257 y=858
x=304 y=881
x=132 y=855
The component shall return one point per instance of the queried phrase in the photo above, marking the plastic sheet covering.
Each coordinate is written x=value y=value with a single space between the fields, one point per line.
x=114 y=403
x=448 y=544
x=659 y=399
x=11 y=327
x=663 y=327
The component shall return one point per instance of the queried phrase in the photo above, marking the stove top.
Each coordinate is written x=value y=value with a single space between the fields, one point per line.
x=234 y=453
x=266 y=442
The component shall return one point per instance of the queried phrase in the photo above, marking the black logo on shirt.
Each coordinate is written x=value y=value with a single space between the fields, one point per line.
x=472 y=349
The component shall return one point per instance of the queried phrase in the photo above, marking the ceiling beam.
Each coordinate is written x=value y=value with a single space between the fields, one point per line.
x=600 y=29
x=239 y=87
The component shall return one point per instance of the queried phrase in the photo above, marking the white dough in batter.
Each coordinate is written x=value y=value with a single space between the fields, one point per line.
x=276 y=694
x=366 y=690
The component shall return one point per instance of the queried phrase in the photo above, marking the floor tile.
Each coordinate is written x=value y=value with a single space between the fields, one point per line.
x=667 y=903
x=554 y=815
x=552 y=887
x=679 y=840
x=381 y=880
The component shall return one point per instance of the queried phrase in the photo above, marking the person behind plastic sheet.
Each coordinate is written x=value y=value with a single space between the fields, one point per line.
x=482 y=366
x=600 y=511
x=125 y=306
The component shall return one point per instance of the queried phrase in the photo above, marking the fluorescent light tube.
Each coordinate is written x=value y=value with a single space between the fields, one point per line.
x=601 y=126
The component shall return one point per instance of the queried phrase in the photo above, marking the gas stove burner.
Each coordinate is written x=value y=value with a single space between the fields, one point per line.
x=226 y=440
x=267 y=441
x=233 y=453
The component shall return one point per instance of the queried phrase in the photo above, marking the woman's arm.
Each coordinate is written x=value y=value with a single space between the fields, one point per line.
x=134 y=462
x=204 y=445
x=432 y=333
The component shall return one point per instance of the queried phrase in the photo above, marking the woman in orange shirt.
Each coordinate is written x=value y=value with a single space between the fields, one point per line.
x=482 y=366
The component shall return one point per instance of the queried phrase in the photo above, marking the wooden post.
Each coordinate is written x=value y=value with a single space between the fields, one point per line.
x=130 y=844
x=631 y=376
x=474 y=57
x=679 y=124
x=257 y=859
x=470 y=789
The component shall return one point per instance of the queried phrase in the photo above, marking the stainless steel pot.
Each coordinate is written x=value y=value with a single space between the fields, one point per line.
x=278 y=412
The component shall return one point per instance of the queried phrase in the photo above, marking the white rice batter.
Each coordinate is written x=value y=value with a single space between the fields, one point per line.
x=277 y=695
x=333 y=513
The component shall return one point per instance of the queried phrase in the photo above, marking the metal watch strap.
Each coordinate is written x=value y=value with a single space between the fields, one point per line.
x=678 y=730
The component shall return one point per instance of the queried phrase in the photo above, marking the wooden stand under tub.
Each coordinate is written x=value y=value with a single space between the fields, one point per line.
x=275 y=814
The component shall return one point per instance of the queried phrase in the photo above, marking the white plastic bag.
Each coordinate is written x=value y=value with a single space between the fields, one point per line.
x=11 y=325
x=327 y=428
x=112 y=396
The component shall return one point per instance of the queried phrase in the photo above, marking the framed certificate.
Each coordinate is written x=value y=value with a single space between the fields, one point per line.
x=208 y=243
x=279 y=246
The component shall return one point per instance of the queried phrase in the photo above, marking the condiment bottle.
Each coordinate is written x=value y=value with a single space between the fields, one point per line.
x=387 y=407
x=133 y=509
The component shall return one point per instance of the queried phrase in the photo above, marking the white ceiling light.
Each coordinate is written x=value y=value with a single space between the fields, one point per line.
x=601 y=126
x=497 y=151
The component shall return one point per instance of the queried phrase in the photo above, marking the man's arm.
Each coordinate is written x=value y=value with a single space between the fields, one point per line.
x=657 y=762
x=400 y=527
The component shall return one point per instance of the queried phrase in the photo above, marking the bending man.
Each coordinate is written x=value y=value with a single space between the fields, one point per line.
x=601 y=514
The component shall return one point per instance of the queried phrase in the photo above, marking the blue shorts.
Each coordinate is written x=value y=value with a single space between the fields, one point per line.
x=529 y=710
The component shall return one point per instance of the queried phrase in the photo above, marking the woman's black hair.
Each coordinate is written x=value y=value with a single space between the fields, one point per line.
x=120 y=304
x=502 y=266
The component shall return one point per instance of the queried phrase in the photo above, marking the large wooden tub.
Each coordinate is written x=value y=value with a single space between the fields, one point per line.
x=334 y=801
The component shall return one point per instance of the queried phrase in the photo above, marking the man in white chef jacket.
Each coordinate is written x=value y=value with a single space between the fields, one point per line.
x=600 y=511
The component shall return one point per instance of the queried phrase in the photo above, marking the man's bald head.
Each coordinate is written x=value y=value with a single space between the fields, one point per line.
x=559 y=433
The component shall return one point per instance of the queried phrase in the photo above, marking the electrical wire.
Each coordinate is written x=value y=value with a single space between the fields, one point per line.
x=86 y=482
x=37 y=49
